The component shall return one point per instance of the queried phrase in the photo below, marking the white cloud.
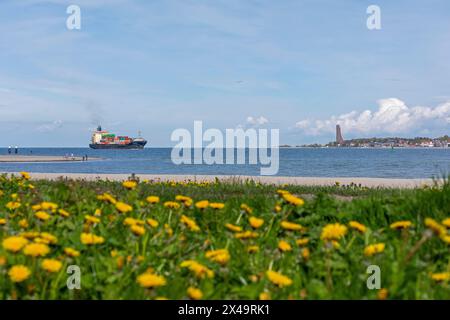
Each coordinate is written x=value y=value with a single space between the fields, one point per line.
x=50 y=127
x=393 y=116
x=257 y=121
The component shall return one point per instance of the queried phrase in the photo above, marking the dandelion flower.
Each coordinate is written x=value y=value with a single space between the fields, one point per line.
x=51 y=265
x=246 y=235
x=19 y=273
x=172 y=205
x=151 y=280
x=246 y=208
x=357 y=226
x=333 y=231
x=36 y=250
x=286 y=225
x=190 y=223
x=14 y=243
x=373 y=249
x=278 y=279
x=123 y=207
x=91 y=219
x=152 y=199
x=401 y=225
x=446 y=222
x=302 y=242
x=439 y=277
x=194 y=293
x=291 y=199
x=202 y=204
x=152 y=223
x=42 y=215
x=130 y=185
x=221 y=256
x=72 y=252
x=2 y=222
x=264 y=296
x=256 y=222
x=434 y=226
x=13 y=205
x=137 y=230
x=252 y=249
x=25 y=175
x=198 y=269
x=63 y=213
x=90 y=239
x=305 y=253
x=382 y=294
x=284 y=246
x=217 y=205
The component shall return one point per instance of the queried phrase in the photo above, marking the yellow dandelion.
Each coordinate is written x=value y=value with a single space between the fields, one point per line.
x=333 y=231
x=152 y=223
x=2 y=222
x=51 y=265
x=217 y=205
x=435 y=226
x=221 y=256
x=264 y=296
x=137 y=230
x=46 y=205
x=440 y=277
x=278 y=279
x=71 y=252
x=291 y=199
x=152 y=199
x=12 y=205
x=202 y=204
x=14 y=243
x=401 y=225
x=246 y=208
x=91 y=219
x=123 y=207
x=42 y=215
x=306 y=253
x=302 y=242
x=63 y=213
x=129 y=184
x=246 y=235
x=198 y=269
x=382 y=294
x=233 y=228
x=252 y=249
x=49 y=237
x=284 y=246
x=36 y=250
x=277 y=208
x=190 y=223
x=373 y=249
x=90 y=239
x=194 y=293
x=172 y=205
x=286 y=225
x=255 y=222
x=25 y=175
x=19 y=273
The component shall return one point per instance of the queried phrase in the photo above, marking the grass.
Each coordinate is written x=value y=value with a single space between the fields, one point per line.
x=414 y=262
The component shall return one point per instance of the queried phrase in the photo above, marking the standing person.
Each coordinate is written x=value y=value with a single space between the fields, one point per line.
x=9 y=149
x=16 y=151
x=86 y=157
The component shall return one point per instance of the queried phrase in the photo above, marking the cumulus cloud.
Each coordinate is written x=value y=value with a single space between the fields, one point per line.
x=49 y=127
x=257 y=121
x=393 y=117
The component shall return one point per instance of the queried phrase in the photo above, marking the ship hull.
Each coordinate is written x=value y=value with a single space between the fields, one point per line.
x=133 y=145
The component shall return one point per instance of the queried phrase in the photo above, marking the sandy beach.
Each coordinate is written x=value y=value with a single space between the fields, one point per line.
x=307 y=181
x=30 y=158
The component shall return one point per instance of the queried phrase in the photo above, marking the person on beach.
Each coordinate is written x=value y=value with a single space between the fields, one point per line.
x=9 y=149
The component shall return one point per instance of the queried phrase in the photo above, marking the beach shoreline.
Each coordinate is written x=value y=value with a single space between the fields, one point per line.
x=36 y=158
x=274 y=180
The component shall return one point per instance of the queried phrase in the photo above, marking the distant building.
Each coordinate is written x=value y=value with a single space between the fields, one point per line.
x=339 y=139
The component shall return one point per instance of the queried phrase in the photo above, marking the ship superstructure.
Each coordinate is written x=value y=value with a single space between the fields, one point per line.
x=102 y=139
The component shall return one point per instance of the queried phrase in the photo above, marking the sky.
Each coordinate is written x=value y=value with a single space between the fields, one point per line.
x=156 y=66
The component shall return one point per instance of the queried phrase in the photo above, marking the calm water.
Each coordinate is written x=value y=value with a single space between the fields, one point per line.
x=342 y=162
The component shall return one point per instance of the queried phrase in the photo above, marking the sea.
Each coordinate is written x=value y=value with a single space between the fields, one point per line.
x=301 y=162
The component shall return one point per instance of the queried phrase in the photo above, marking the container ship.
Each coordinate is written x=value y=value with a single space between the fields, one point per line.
x=105 y=140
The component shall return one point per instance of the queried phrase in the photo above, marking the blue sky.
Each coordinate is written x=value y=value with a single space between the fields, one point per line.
x=155 y=66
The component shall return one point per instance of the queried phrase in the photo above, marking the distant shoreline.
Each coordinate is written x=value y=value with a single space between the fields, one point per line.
x=14 y=158
x=276 y=180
